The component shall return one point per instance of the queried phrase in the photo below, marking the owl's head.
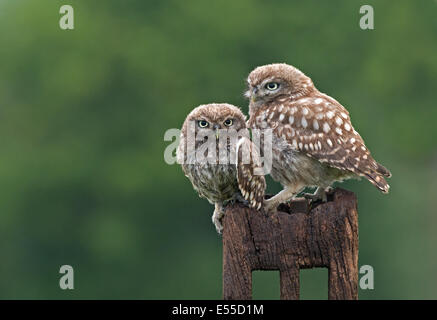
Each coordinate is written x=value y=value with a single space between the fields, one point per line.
x=214 y=117
x=266 y=83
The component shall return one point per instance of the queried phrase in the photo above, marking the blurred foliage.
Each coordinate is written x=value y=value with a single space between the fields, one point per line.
x=83 y=114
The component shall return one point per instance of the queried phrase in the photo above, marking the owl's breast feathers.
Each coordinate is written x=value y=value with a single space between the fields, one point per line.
x=215 y=182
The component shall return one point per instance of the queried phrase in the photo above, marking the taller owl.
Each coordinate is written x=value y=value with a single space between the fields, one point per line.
x=314 y=142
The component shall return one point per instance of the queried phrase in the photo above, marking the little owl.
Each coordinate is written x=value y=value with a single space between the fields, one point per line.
x=314 y=143
x=219 y=159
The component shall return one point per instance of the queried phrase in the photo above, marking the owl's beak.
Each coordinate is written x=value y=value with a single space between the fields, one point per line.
x=253 y=94
x=217 y=128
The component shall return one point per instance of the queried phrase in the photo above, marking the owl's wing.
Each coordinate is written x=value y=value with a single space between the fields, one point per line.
x=322 y=129
x=250 y=175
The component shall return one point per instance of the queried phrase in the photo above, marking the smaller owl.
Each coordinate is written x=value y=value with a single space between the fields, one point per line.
x=219 y=159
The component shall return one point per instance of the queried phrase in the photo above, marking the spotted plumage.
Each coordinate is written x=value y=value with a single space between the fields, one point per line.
x=314 y=143
x=213 y=155
x=251 y=184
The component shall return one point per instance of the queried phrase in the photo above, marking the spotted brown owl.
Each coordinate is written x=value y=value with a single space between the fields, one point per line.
x=219 y=159
x=314 y=142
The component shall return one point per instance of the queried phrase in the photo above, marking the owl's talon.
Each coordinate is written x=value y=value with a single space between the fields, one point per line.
x=271 y=211
x=270 y=206
x=217 y=217
x=321 y=194
x=314 y=197
x=284 y=196
x=218 y=224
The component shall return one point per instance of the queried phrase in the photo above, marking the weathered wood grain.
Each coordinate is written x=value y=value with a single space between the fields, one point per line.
x=296 y=237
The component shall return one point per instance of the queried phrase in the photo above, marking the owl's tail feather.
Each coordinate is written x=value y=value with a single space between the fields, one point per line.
x=383 y=170
x=378 y=181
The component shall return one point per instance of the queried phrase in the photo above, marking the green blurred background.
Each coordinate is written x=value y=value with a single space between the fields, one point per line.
x=83 y=114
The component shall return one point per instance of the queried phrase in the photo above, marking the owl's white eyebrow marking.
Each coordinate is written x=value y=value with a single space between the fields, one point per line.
x=304 y=122
x=318 y=101
x=326 y=127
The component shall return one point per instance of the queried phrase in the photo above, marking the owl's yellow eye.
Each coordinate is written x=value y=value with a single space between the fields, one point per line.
x=272 y=86
x=228 y=122
x=203 y=123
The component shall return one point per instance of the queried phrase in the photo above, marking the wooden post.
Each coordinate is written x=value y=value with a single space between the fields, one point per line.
x=295 y=238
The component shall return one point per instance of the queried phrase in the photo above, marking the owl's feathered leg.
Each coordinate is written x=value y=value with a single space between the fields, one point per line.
x=321 y=194
x=285 y=195
x=217 y=217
